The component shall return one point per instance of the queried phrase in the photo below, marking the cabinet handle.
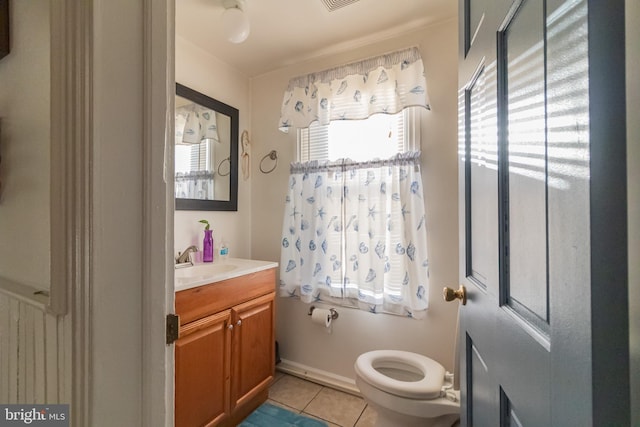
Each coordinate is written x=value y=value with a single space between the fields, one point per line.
x=239 y=323
x=230 y=327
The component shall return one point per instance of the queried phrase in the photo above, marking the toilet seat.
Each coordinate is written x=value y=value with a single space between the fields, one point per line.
x=427 y=388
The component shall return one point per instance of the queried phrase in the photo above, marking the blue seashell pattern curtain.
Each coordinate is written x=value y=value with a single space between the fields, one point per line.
x=354 y=234
x=383 y=84
x=194 y=123
x=194 y=185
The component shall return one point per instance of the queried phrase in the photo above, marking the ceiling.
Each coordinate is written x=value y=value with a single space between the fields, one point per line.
x=285 y=32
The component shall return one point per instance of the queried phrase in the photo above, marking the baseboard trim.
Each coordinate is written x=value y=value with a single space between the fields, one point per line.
x=319 y=376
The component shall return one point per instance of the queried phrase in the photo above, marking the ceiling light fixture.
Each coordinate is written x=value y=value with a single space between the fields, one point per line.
x=235 y=21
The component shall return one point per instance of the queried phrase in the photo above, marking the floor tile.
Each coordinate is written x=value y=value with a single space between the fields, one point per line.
x=277 y=376
x=293 y=392
x=337 y=407
x=329 y=424
x=368 y=417
x=282 y=405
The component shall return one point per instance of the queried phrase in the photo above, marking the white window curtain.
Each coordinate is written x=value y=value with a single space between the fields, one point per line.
x=383 y=84
x=195 y=127
x=354 y=234
x=194 y=185
x=194 y=123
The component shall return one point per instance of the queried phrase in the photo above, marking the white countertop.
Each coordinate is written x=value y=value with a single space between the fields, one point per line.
x=211 y=272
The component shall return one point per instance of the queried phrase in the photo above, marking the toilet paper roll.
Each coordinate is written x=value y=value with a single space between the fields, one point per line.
x=321 y=316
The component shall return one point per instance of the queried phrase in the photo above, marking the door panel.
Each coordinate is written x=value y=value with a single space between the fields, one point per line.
x=524 y=175
x=481 y=169
x=508 y=413
x=480 y=389
x=505 y=221
x=531 y=344
x=473 y=21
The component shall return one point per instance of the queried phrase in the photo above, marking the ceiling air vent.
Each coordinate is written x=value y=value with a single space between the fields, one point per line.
x=337 y=4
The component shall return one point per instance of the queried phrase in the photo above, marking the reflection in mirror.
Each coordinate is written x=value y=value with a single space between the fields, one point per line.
x=206 y=152
x=202 y=155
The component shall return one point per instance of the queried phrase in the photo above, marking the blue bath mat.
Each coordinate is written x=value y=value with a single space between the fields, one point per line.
x=268 y=415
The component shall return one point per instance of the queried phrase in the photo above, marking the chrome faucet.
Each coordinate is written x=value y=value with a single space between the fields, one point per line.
x=184 y=256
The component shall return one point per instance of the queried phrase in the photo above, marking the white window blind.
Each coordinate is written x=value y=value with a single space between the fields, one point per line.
x=379 y=136
x=200 y=156
x=313 y=142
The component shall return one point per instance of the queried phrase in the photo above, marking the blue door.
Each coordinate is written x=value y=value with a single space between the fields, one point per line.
x=544 y=331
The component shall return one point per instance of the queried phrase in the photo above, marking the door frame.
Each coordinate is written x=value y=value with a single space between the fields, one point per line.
x=158 y=212
x=70 y=203
x=74 y=46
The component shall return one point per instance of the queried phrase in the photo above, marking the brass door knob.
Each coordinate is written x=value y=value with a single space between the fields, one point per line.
x=450 y=294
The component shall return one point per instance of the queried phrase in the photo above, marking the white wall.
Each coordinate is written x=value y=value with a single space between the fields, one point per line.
x=24 y=147
x=202 y=72
x=633 y=182
x=357 y=331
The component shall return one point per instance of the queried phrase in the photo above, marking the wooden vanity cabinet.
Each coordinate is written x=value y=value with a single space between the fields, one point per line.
x=225 y=356
x=202 y=368
x=253 y=361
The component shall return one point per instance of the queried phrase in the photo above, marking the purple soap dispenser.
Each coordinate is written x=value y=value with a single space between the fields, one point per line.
x=207 y=242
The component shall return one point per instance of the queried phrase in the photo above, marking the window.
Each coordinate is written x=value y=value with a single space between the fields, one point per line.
x=193 y=157
x=354 y=225
x=354 y=231
x=380 y=136
x=194 y=170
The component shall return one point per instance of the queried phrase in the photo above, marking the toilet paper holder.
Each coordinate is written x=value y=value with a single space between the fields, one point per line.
x=334 y=313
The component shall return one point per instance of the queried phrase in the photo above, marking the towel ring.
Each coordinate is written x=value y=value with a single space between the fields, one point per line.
x=273 y=155
x=228 y=159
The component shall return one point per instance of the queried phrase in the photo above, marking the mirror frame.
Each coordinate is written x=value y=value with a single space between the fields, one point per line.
x=233 y=113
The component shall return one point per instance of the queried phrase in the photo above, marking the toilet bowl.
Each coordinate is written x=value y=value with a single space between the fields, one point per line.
x=407 y=389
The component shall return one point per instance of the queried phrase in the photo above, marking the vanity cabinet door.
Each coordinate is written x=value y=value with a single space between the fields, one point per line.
x=202 y=367
x=253 y=361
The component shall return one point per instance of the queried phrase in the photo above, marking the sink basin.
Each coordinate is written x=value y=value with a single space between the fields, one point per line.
x=206 y=273
x=205 y=270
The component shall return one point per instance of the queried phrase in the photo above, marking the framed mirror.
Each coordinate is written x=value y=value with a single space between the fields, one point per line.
x=206 y=152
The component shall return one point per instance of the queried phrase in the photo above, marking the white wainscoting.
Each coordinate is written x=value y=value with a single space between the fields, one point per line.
x=32 y=345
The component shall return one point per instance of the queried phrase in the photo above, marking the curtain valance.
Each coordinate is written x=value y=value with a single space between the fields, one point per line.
x=383 y=84
x=195 y=123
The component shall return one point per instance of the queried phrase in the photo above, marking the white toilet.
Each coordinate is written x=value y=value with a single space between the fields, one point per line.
x=407 y=389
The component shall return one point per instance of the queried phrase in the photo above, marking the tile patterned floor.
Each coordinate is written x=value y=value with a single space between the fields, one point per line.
x=336 y=408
